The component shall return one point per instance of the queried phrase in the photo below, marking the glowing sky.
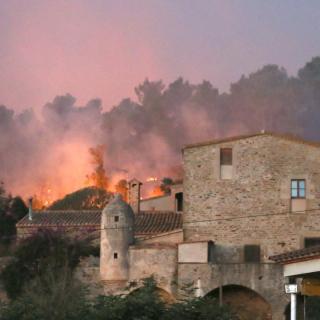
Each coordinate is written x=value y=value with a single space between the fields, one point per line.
x=103 y=48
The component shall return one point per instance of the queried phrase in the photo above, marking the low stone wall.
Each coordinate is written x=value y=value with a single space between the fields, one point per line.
x=88 y=273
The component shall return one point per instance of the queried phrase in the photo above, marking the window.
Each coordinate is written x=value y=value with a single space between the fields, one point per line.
x=115 y=255
x=226 y=169
x=116 y=218
x=226 y=157
x=298 y=189
x=210 y=251
x=311 y=242
x=252 y=253
x=179 y=201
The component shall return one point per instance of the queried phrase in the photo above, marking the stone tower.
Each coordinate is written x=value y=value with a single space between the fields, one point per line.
x=134 y=195
x=117 y=234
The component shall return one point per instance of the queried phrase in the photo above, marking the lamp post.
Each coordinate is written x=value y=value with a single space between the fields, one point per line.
x=292 y=289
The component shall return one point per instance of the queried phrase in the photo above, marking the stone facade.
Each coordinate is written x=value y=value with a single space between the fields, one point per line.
x=253 y=207
x=159 y=261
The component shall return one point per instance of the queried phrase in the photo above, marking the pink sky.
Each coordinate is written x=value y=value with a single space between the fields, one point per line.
x=105 y=48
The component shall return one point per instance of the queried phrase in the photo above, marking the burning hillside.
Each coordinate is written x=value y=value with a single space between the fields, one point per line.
x=48 y=155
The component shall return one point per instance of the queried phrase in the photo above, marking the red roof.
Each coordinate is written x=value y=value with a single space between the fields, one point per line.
x=297 y=255
x=146 y=222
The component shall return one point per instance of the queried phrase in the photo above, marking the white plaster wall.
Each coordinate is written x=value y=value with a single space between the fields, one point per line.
x=302 y=267
x=164 y=203
x=196 y=252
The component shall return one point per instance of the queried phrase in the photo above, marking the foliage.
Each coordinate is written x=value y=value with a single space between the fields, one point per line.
x=199 y=309
x=37 y=254
x=86 y=198
x=143 y=303
x=11 y=211
x=51 y=297
x=63 y=298
x=166 y=184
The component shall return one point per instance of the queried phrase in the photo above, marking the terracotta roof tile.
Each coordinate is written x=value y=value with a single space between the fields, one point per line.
x=62 y=218
x=297 y=255
x=155 y=222
x=146 y=222
x=288 y=137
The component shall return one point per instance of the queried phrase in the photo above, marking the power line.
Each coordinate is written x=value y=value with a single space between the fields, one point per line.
x=281 y=213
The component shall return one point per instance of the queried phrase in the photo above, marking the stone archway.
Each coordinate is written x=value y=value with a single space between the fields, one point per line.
x=246 y=303
x=163 y=294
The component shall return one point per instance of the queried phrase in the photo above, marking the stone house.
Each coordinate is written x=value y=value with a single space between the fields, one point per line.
x=253 y=197
x=245 y=199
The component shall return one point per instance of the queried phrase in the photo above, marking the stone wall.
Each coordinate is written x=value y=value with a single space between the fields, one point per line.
x=157 y=260
x=171 y=237
x=257 y=199
x=88 y=272
x=252 y=208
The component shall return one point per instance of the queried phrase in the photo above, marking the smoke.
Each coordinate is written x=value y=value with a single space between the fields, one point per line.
x=142 y=138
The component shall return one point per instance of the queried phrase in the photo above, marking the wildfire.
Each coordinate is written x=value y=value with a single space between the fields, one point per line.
x=43 y=199
x=152 y=179
x=157 y=191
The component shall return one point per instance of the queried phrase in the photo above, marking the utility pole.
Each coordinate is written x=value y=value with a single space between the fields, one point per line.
x=293 y=290
x=293 y=306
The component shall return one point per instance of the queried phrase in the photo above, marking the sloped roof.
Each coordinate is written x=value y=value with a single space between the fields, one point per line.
x=146 y=222
x=155 y=222
x=288 y=137
x=62 y=218
x=297 y=255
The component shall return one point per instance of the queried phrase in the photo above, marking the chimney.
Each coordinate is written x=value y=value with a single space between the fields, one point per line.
x=134 y=195
x=30 y=209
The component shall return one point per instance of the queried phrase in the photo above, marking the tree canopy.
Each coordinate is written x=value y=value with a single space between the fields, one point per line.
x=86 y=198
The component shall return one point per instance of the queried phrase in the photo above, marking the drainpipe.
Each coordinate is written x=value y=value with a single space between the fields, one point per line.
x=30 y=209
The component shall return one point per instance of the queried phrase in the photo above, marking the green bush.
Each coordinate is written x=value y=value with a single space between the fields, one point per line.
x=51 y=297
x=199 y=309
x=63 y=298
x=11 y=211
x=44 y=250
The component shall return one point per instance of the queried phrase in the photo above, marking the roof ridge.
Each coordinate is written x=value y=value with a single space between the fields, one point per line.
x=296 y=254
x=286 y=136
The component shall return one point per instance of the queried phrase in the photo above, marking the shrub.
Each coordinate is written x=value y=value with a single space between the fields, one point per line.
x=43 y=250
x=50 y=297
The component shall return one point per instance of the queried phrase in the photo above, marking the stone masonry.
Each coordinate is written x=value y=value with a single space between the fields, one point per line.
x=251 y=208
